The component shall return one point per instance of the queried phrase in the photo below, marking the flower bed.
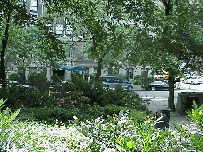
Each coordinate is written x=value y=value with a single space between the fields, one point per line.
x=120 y=134
x=117 y=133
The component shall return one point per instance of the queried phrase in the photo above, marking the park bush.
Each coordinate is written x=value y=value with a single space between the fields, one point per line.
x=13 y=96
x=18 y=97
x=38 y=80
x=7 y=135
x=140 y=80
x=14 y=77
x=118 y=132
x=102 y=97
x=52 y=114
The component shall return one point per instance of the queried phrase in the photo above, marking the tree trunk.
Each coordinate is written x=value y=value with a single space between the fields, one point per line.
x=4 y=44
x=171 y=104
x=99 y=69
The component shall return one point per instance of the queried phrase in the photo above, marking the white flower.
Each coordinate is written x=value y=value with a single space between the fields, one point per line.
x=120 y=114
x=74 y=117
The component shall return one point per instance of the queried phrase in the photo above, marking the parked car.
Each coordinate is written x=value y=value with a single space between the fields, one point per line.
x=16 y=84
x=158 y=85
x=112 y=82
x=194 y=80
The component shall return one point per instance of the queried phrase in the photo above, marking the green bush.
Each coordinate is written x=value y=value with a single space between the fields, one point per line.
x=51 y=114
x=74 y=99
x=196 y=115
x=14 y=77
x=64 y=113
x=38 y=80
x=140 y=80
x=7 y=122
x=111 y=109
x=13 y=96
x=17 y=98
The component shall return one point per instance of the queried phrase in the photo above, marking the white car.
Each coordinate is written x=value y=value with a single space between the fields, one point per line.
x=194 y=80
x=158 y=85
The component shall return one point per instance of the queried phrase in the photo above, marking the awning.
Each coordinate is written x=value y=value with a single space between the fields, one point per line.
x=77 y=69
x=66 y=67
x=72 y=68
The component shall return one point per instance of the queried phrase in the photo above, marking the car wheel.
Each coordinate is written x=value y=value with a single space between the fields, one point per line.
x=192 y=82
x=153 y=89
x=129 y=88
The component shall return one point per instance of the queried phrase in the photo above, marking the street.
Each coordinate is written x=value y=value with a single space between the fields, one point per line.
x=159 y=99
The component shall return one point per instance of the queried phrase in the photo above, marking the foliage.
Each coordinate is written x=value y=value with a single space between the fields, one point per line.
x=76 y=102
x=196 y=115
x=38 y=80
x=51 y=114
x=14 y=77
x=171 y=38
x=8 y=135
x=121 y=133
x=56 y=79
x=98 y=95
x=12 y=96
x=31 y=45
x=102 y=24
x=27 y=97
x=25 y=39
x=117 y=132
x=140 y=80
x=193 y=133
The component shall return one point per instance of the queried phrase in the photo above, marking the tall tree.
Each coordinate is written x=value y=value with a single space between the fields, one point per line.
x=11 y=11
x=175 y=38
x=180 y=36
x=19 y=39
x=104 y=22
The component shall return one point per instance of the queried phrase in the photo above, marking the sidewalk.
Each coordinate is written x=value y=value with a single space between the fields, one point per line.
x=176 y=117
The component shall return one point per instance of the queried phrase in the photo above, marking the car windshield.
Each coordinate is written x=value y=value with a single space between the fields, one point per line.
x=158 y=82
x=112 y=79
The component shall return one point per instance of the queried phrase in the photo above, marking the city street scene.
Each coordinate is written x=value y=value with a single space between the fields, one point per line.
x=101 y=76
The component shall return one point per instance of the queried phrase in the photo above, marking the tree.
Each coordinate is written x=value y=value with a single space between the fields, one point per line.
x=175 y=38
x=180 y=36
x=11 y=12
x=104 y=22
x=19 y=39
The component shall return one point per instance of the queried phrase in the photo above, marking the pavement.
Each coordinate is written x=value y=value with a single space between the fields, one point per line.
x=174 y=116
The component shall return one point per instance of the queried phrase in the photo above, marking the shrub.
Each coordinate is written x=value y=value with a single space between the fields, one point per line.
x=12 y=95
x=102 y=97
x=74 y=99
x=14 y=77
x=51 y=114
x=39 y=81
x=140 y=80
x=7 y=135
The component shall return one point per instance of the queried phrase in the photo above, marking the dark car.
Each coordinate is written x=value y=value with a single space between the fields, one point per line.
x=158 y=85
x=16 y=84
x=112 y=82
